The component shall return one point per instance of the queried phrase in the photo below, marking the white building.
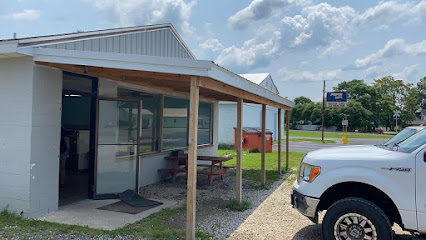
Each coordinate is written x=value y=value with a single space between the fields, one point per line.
x=122 y=96
x=252 y=116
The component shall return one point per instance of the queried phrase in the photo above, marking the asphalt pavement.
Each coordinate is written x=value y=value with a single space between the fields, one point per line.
x=308 y=146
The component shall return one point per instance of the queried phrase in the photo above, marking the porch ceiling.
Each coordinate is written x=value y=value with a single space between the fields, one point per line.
x=177 y=83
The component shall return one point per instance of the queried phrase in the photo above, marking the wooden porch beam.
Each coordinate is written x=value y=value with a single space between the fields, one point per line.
x=279 y=141
x=192 y=159
x=263 y=147
x=287 y=135
x=239 y=171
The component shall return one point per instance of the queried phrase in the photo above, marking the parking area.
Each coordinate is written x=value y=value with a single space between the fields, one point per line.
x=276 y=219
x=307 y=146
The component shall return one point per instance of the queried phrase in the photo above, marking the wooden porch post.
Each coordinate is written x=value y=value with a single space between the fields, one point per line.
x=263 y=148
x=287 y=129
x=239 y=173
x=192 y=159
x=279 y=141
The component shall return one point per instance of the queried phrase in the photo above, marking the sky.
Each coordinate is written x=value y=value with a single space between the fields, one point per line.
x=300 y=42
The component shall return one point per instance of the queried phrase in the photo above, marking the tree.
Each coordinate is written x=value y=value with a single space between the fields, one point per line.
x=398 y=96
x=421 y=89
x=302 y=100
x=366 y=95
x=357 y=115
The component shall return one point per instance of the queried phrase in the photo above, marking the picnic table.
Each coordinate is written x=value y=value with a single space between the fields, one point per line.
x=215 y=167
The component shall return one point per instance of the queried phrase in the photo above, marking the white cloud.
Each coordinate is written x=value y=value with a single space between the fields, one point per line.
x=26 y=15
x=390 y=11
x=213 y=44
x=258 y=50
x=336 y=48
x=260 y=9
x=383 y=13
x=405 y=72
x=124 y=13
x=307 y=76
x=321 y=25
x=394 y=47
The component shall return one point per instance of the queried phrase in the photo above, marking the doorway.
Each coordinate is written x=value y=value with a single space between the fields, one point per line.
x=78 y=138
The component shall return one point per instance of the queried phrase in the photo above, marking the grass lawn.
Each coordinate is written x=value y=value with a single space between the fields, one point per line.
x=317 y=134
x=251 y=164
x=308 y=140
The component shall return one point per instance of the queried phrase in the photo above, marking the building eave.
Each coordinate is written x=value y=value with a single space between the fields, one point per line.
x=189 y=67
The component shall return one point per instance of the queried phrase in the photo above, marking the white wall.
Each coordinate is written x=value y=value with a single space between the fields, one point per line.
x=45 y=140
x=16 y=82
x=252 y=117
x=227 y=122
x=30 y=106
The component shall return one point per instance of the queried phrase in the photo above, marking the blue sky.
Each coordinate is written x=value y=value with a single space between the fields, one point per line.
x=299 y=42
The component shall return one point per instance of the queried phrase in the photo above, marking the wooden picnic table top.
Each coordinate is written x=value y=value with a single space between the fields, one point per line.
x=201 y=158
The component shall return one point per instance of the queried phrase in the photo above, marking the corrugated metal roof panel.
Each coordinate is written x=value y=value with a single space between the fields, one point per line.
x=160 y=43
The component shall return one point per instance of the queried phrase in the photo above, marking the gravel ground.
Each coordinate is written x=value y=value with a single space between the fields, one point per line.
x=270 y=217
x=276 y=219
x=212 y=215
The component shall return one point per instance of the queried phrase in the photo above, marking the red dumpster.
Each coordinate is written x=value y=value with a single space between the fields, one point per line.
x=252 y=139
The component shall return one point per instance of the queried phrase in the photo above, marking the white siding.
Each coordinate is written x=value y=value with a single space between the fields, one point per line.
x=15 y=128
x=252 y=117
x=45 y=140
x=160 y=43
x=269 y=84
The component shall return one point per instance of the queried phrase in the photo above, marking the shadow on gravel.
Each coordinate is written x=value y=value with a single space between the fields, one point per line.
x=313 y=232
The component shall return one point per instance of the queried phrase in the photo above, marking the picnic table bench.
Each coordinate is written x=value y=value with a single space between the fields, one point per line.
x=215 y=167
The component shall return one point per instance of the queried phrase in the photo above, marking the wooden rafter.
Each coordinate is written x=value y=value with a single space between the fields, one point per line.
x=209 y=88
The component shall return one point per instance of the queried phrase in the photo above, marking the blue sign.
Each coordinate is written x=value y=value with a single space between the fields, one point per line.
x=337 y=97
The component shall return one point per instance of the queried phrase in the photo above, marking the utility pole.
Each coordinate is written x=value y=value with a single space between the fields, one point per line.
x=323 y=109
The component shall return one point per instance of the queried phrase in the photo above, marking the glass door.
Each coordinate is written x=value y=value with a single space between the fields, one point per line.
x=117 y=155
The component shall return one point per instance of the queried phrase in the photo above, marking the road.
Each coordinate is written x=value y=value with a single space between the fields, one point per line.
x=311 y=146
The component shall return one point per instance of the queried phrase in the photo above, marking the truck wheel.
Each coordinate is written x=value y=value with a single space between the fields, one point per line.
x=355 y=219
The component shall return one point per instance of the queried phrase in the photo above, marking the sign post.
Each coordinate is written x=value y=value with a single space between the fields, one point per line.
x=339 y=100
x=396 y=115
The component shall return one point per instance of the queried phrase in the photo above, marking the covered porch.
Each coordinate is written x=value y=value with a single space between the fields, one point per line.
x=194 y=79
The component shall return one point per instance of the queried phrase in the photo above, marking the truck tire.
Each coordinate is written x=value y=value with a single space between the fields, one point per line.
x=355 y=218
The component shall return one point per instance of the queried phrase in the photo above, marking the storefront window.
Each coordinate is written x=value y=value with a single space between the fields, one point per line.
x=175 y=123
x=149 y=124
x=204 y=123
x=149 y=118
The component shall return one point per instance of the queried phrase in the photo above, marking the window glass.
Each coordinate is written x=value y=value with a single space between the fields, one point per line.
x=149 y=117
x=117 y=122
x=413 y=142
x=175 y=123
x=204 y=123
x=149 y=124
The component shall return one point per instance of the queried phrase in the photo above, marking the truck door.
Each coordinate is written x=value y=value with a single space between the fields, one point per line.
x=421 y=190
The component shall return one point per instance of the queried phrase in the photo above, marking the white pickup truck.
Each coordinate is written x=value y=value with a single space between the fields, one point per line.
x=365 y=189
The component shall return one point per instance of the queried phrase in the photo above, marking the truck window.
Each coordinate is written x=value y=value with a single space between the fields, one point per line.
x=413 y=142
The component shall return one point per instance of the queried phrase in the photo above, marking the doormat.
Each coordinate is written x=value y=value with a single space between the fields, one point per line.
x=135 y=200
x=123 y=207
